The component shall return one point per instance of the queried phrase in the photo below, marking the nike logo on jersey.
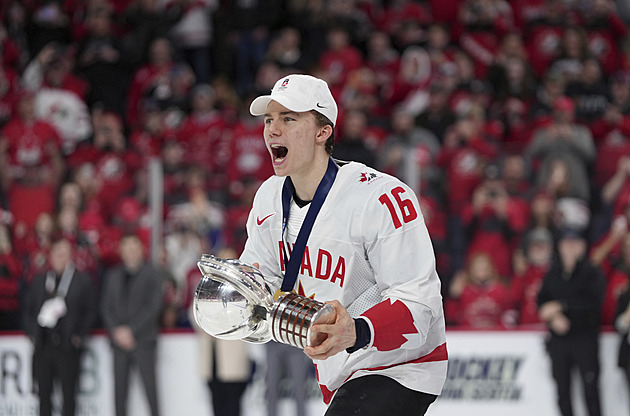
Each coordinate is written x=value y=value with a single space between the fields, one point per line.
x=259 y=221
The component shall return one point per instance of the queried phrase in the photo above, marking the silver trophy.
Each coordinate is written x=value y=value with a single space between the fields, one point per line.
x=232 y=301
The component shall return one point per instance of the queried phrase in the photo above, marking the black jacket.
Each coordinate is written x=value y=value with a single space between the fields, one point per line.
x=81 y=309
x=581 y=293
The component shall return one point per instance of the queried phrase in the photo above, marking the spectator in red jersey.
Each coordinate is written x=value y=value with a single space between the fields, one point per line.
x=604 y=27
x=410 y=88
x=611 y=131
x=612 y=254
x=161 y=69
x=493 y=220
x=405 y=21
x=341 y=58
x=465 y=151
x=439 y=45
x=10 y=281
x=360 y=93
x=482 y=299
x=542 y=35
x=530 y=264
x=33 y=165
x=149 y=136
x=113 y=164
x=516 y=123
x=205 y=136
x=480 y=25
x=567 y=142
x=29 y=142
x=382 y=59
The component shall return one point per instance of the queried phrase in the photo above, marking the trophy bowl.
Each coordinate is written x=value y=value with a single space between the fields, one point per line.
x=232 y=300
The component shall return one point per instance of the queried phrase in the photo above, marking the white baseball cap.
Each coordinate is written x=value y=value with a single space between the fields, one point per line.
x=299 y=93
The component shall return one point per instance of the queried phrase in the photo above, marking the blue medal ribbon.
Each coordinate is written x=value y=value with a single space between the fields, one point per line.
x=292 y=265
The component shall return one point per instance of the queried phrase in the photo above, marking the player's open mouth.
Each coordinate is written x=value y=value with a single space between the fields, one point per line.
x=279 y=152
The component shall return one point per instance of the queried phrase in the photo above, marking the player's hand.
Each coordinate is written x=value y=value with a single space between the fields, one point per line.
x=337 y=336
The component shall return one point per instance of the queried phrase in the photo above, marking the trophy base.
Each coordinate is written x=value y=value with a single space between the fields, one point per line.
x=292 y=317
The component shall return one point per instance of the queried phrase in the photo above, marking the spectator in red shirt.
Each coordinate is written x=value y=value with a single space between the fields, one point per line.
x=604 y=28
x=29 y=142
x=159 y=70
x=465 y=151
x=493 y=220
x=341 y=58
x=480 y=25
x=482 y=299
x=542 y=35
x=113 y=164
x=383 y=59
x=405 y=21
x=205 y=136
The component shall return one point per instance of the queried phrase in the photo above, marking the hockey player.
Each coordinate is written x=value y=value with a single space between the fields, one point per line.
x=353 y=237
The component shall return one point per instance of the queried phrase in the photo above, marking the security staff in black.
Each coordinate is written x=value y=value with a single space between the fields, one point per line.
x=570 y=302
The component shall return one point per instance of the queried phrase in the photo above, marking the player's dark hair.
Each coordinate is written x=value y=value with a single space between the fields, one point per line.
x=322 y=121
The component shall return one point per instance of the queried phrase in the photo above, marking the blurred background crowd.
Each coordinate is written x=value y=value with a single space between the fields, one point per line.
x=510 y=118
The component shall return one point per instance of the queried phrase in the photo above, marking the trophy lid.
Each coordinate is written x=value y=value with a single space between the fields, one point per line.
x=232 y=300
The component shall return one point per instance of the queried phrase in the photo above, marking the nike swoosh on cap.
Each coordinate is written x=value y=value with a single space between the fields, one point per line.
x=259 y=221
x=319 y=106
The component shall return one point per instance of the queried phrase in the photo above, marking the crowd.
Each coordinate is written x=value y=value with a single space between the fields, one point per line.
x=511 y=120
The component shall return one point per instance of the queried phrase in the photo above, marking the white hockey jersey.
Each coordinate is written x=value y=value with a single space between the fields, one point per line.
x=369 y=249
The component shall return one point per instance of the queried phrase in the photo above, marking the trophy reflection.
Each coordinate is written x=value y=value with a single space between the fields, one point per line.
x=232 y=301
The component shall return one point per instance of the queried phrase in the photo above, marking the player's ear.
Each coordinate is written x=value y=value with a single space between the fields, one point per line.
x=324 y=133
